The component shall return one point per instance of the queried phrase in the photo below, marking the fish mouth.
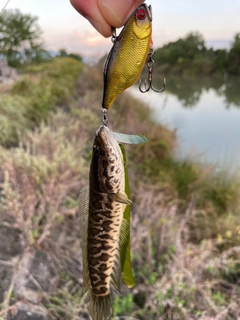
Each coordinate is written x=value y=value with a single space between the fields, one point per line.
x=103 y=137
x=101 y=131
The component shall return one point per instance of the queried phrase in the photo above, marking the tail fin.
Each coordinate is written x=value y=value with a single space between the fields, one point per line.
x=100 y=307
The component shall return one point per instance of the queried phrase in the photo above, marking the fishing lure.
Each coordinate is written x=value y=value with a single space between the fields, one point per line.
x=102 y=223
x=128 y=56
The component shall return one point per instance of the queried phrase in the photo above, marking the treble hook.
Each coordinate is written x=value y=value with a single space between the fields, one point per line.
x=150 y=63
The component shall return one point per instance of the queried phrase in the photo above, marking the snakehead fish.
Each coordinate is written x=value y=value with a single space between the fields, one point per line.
x=128 y=55
x=101 y=209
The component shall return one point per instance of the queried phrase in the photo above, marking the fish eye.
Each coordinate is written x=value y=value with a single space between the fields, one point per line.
x=141 y=14
x=97 y=150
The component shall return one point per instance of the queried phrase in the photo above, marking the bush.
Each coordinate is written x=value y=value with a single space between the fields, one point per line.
x=38 y=92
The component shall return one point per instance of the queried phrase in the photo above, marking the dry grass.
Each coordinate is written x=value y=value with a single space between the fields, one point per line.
x=30 y=99
x=185 y=236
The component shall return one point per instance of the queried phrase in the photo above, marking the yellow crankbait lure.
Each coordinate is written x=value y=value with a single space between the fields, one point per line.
x=128 y=55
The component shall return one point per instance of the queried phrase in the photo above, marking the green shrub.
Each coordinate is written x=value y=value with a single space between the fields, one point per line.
x=38 y=92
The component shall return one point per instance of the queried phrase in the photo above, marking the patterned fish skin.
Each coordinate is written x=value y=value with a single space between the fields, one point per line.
x=105 y=214
x=128 y=55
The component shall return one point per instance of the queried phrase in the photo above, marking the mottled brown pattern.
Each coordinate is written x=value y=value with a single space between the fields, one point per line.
x=105 y=215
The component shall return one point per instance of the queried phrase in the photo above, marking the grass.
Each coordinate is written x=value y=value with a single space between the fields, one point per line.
x=30 y=100
x=185 y=227
x=13 y=119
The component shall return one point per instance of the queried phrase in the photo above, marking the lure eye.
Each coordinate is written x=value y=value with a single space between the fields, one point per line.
x=141 y=14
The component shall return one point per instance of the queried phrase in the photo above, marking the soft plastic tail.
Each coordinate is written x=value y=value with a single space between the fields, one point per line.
x=100 y=307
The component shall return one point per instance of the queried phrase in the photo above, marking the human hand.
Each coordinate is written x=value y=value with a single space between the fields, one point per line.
x=104 y=14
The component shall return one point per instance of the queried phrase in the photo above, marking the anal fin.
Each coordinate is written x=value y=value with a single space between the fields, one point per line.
x=84 y=214
x=116 y=277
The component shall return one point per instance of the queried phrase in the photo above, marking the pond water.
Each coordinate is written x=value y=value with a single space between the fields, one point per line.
x=205 y=112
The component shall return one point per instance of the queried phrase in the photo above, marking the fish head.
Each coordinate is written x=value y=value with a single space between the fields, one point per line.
x=142 y=21
x=105 y=144
x=107 y=162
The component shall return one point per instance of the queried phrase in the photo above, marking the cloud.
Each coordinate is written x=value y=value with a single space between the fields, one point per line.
x=85 y=42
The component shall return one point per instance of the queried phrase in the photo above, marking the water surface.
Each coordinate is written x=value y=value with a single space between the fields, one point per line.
x=205 y=112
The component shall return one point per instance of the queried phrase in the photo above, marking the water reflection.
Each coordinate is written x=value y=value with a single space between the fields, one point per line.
x=232 y=92
x=205 y=114
x=188 y=90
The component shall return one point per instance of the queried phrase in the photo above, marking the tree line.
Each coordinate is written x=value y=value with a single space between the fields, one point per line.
x=21 y=42
x=190 y=56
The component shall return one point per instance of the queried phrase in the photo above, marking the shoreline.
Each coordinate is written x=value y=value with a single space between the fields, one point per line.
x=184 y=218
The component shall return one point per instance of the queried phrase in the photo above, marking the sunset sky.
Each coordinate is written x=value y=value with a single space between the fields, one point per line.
x=63 y=27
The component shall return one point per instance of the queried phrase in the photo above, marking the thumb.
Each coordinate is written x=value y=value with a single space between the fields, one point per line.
x=116 y=12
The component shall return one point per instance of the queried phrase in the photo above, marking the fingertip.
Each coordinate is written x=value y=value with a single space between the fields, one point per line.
x=76 y=5
x=115 y=13
x=101 y=26
x=107 y=31
x=89 y=10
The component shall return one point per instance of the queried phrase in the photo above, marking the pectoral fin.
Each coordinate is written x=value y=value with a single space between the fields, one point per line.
x=120 y=197
x=129 y=138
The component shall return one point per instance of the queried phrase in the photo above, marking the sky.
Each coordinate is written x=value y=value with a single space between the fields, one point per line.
x=64 y=28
